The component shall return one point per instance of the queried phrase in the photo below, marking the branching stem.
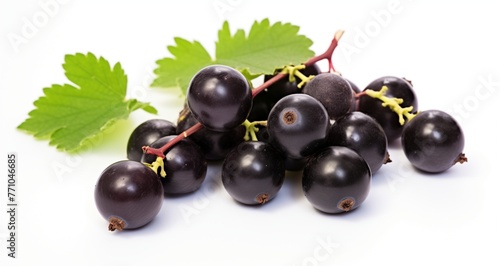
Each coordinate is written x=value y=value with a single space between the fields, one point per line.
x=252 y=129
x=161 y=151
x=293 y=71
x=158 y=164
x=392 y=103
x=327 y=55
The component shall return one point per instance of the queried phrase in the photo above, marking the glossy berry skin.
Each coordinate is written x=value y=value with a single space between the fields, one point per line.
x=219 y=97
x=298 y=125
x=215 y=145
x=333 y=91
x=145 y=134
x=433 y=141
x=284 y=87
x=128 y=191
x=253 y=173
x=397 y=88
x=184 y=163
x=361 y=133
x=336 y=180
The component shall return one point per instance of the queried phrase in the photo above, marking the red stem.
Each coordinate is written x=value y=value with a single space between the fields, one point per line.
x=327 y=55
x=161 y=151
x=359 y=94
x=267 y=84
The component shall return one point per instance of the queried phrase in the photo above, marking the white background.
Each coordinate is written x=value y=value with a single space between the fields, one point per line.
x=449 y=51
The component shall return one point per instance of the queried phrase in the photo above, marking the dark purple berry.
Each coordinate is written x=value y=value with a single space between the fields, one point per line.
x=333 y=91
x=389 y=120
x=284 y=87
x=433 y=141
x=214 y=144
x=253 y=173
x=219 y=97
x=128 y=195
x=145 y=134
x=336 y=180
x=298 y=125
x=361 y=133
x=184 y=164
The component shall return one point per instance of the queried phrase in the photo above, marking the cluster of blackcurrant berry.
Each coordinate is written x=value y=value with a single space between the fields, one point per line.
x=300 y=119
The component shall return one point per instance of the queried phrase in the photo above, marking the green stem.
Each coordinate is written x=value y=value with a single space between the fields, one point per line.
x=392 y=103
x=158 y=163
x=290 y=70
x=293 y=71
x=252 y=129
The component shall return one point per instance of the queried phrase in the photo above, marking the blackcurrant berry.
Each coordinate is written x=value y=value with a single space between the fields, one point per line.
x=333 y=91
x=253 y=173
x=433 y=141
x=219 y=97
x=298 y=125
x=145 y=134
x=336 y=179
x=389 y=120
x=128 y=195
x=184 y=164
x=284 y=87
x=214 y=144
x=361 y=133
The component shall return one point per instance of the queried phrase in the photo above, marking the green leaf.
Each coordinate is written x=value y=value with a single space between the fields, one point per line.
x=265 y=48
x=248 y=75
x=189 y=58
x=70 y=115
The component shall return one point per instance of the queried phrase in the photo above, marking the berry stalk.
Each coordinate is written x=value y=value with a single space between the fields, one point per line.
x=327 y=55
x=392 y=103
x=160 y=152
